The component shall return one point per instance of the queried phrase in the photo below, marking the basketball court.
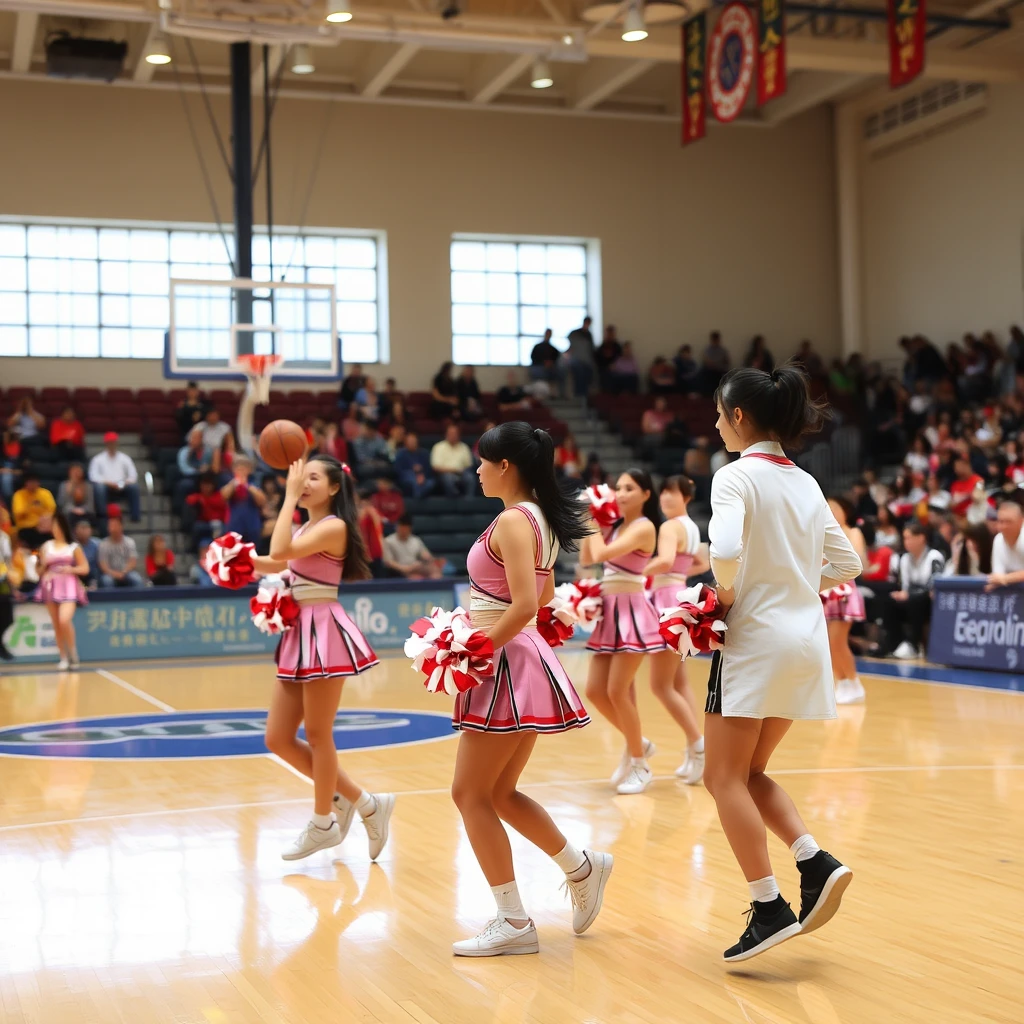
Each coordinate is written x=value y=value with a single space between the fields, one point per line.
x=140 y=877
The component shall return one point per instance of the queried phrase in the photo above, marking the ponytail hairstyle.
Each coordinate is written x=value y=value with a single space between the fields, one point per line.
x=61 y=520
x=683 y=484
x=779 y=403
x=343 y=505
x=849 y=514
x=532 y=452
x=652 y=507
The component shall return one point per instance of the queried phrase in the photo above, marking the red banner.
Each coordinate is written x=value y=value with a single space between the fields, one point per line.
x=906 y=41
x=771 y=66
x=694 y=74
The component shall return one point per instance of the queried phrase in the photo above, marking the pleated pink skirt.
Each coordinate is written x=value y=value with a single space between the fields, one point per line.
x=61 y=588
x=665 y=597
x=629 y=625
x=845 y=609
x=530 y=692
x=324 y=643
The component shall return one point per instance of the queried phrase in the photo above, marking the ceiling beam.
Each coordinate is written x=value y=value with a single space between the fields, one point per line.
x=24 y=40
x=143 y=69
x=553 y=12
x=605 y=79
x=383 y=66
x=275 y=58
x=806 y=91
x=494 y=75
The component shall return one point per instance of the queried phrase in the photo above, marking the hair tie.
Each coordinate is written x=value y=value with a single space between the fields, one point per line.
x=346 y=468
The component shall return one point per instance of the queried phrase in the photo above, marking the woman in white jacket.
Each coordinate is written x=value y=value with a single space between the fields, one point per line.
x=774 y=546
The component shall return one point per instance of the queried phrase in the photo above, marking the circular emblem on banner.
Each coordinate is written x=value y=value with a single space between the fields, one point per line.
x=731 y=52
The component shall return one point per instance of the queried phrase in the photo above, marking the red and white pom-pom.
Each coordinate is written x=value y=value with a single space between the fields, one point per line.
x=229 y=561
x=556 y=620
x=584 y=598
x=274 y=610
x=603 y=507
x=838 y=593
x=451 y=654
x=696 y=626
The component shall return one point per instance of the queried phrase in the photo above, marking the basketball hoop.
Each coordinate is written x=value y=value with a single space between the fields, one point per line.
x=259 y=369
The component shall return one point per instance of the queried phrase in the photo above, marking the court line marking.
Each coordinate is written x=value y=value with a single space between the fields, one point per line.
x=444 y=790
x=125 y=685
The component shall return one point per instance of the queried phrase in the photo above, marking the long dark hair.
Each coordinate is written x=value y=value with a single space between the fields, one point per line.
x=652 y=507
x=778 y=403
x=849 y=514
x=61 y=520
x=532 y=452
x=343 y=505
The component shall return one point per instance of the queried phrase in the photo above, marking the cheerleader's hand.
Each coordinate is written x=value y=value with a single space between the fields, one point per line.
x=296 y=480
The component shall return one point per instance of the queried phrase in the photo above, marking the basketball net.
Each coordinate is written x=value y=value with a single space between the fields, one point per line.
x=259 y=369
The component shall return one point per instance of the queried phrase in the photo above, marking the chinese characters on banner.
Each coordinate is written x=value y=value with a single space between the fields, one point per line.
x=771 y=68
x=906 y=41
x=694 y=57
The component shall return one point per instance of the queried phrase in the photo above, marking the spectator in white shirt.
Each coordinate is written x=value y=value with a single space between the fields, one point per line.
x=452 y=463
x=112 y=474
x=907 y=611
x=214 y=432
x=1008 y=547
x=406 y=555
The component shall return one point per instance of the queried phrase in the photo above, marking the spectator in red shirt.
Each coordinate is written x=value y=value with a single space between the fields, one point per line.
x=332 y=443
x=67 y=435
x=388 y=501
x=962 y=488
x=160 y=562
x=372 y=528
x=207 y=509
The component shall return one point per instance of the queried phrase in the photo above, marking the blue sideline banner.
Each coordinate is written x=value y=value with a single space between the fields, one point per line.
x=972 y=629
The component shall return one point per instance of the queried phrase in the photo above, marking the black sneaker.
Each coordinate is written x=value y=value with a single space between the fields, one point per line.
x=823 y=880
x=768 y=924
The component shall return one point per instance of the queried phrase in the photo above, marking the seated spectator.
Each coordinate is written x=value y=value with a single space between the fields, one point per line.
x=452 y=463
x=372 y=529
x=217 y=438
x=677 y=432
x=351 y=386
x=470 y=402
x=970 y=553
x=389 y=398
x=206 y=511
x=352 y=424
x=91 y=549
x=1008 y=547
x=332 y=443
x=397 y=416
x=67 y=436
x=567 y=457
x=370 y=454
x=388 y=501
x=624 y=373
x=918 y=459
x=661 y=378
x=886 y=531
x=368 y=402
x=26 y=422
x=245 y=502
x=412 y=465
x=714 y=363
x=687 y=370
x=964 y=485
x=274 y=494
x=118 y=557
x=989 y=435
x=444 y=397
x=546 y=363
x=192 y=463
x=75 y=498
x=907 y=611
x=24 y=569
x=160 y=562
x=654 y=422
x=32 y=510
x=593 y=471
x=605 y=355
x=197 y=574
x=882 y=560
x=697 y=466
x=758 y=356
x=113 y=474
x=864 y=506
x=396 y=440
x=406 y=555
x=810 y=361
x=192 y=409
x=839 y=380
x=512 y=397
x=10 y=465
x=938 y=498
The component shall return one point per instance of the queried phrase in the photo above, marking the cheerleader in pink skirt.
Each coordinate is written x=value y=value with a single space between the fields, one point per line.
x=629 y=625
x=62 y=564
x=679 y=553
x=844 y=606
x=510 y=570
x=316 y=655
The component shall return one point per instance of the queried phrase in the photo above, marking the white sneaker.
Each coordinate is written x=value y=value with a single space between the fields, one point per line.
x=624 y=764
x=311 y=839
x=587 y=893
x=842 y=691
x=499 y=938
x=75 y=663
x=695 y=766
x=377 y=823
x=906 y=651
x=344 y=812
x=684 y=768
x=638 y=779
x=856 y=691
x=62 y=665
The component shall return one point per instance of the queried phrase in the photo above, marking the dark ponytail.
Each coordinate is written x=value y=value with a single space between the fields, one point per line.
x=778 y=403
x=532 y=452
x=344 y=506
x=849 y=514
x=652 y=507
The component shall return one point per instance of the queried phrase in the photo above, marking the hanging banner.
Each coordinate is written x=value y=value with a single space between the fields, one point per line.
x=694 y=74
x=731 y=61
x=771 y=68
x=906 y=41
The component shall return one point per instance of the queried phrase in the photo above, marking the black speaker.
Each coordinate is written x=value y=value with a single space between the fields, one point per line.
x=75 y=57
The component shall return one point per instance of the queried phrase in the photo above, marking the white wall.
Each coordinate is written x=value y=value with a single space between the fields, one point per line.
x=736 y=233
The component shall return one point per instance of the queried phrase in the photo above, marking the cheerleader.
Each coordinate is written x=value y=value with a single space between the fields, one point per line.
x=319 y=651
x=62 y=564
x=775 y=545
x=679 y=554
x=843 y=609
x=510 y=570
x=629 y=625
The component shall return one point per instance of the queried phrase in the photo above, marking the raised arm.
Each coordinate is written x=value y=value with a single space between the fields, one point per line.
x=640 y=535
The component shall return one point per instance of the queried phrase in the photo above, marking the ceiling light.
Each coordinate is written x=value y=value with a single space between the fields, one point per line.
x=568 y=40
x=541 y=77
x=157 y=50
x=302 y=62
x=633 y=30
x=338 y=11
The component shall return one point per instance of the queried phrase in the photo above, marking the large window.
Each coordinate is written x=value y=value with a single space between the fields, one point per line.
x=88 y=291
x=506 y=293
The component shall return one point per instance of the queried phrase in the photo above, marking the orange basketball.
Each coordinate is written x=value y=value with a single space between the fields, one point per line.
x=281 y=443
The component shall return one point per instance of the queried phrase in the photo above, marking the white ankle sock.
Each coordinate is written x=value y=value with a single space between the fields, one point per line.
x=572 y=862
x=804 y=848
x=366 y=804
x=510 y=906
x=323 y=820
x=698 y=747
x=638 y=762
x=764 y=890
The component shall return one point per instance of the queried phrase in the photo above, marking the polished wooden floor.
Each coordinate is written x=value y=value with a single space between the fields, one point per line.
x=152 y=891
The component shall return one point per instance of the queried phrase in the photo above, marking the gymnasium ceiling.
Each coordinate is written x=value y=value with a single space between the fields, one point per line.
x=404 y=50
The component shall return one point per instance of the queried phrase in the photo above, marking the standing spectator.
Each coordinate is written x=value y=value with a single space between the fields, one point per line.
x=452 y=462
x=444 y=397
x=388 y=501
x=546 y=364
x=758 y=356
x=75 y=498
x=32 y=510
x=654 y=422
x=67 y=435
x=118 y=557
x=661 y=378
x=160 y=562
x=6 y=593
x=206 y=511
x=25 y=421
x=567 y=457
x=245 y=502
x=372 y=529
x=112 y=474
x=512 y=397
x=368 y=402
x=370 y=452
x=216 y=435
x=197 y=575
x=605 y=356
x=624 y=373
x=964 y=485
x=1008 y=547
x=412 y=464
x=91 y=549
x=580 y=358
x=192 y=463
x=687 y=370
x=714 y=364
x=471 y=406
x=192 y=409
x=906 y=611
x=351 y=386
x=406 y=555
